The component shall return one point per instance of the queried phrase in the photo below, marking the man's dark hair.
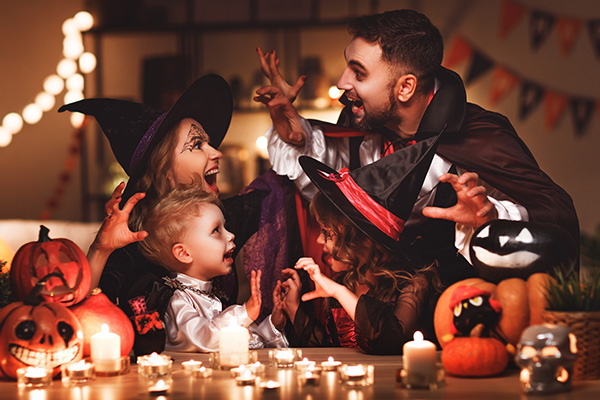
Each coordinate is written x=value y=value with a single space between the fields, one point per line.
x=408 y=40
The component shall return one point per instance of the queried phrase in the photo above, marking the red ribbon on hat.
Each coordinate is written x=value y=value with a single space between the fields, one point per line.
x=378 y=215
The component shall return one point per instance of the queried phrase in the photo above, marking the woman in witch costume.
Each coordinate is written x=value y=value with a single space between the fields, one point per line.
x=160 y=151
x=380 y=294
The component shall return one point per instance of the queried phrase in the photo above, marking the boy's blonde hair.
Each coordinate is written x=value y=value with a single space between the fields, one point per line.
x=168 y=219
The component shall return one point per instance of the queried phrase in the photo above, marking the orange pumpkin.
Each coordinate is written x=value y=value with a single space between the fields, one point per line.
x=97 y=310
x=61 y=260
x=38 y=335
x=522 y=305
x=474 y=356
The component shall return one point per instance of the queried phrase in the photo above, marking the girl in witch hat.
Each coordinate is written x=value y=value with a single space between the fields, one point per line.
x=381 y=293
x=160 y=151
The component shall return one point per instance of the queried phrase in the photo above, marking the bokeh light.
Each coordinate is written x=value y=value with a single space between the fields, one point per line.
x=12 y=122
x=32 y=113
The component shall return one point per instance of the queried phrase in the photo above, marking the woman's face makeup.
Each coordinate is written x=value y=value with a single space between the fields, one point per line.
x=195 y=161
x=327 y=239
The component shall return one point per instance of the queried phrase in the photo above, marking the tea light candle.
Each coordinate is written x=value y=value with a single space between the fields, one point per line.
x=246 y=378
x=270 y=385
x=357 y=375
x=330 y=364
x=304 y=364
x=202 y=372
x=419 y=355
x=309 y=377
x=191 y=365
x=34 y=377
x=284 y=357
x=155 y=364
x=81 y=371
x=233 y=345
x=160 y=386
x=105 y=350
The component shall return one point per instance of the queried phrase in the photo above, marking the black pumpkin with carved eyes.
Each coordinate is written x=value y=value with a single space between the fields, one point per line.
x=504 y=249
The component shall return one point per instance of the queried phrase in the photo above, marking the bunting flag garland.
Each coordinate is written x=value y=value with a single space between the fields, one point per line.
x=540 y=27
x=541 y=24
x=554 y=107
x=64 y=177
x=531 y=95
x=594 y=29
x=581 y=110
x=510 y=14
x=567 y=30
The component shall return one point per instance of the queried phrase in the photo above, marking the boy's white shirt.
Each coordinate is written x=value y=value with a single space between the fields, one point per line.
x=193 y=321
x=334 y=152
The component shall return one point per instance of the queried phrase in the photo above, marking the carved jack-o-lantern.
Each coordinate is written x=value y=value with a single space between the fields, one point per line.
x=71 y=274
x=43 y=335
x=504 y=249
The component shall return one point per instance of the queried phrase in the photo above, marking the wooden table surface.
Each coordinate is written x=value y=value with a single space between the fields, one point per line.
x=222 y=386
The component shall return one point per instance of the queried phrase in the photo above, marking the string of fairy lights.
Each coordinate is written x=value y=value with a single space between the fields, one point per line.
x=68 y=77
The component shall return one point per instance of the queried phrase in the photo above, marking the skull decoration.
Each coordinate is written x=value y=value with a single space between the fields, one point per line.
x=546 y=353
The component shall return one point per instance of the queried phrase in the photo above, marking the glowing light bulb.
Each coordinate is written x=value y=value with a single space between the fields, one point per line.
x=261 y=142
x=76 y=119
x=75 y=82
x=73 y=96
x=32 y=113
x=45 y=100
x=13 y=123
x=334 y=93
x=87 y=62
x=72 y=46
x=54 y=84
x=69 y=27
x=84 y=20
x=5 y=137
x=66 y=68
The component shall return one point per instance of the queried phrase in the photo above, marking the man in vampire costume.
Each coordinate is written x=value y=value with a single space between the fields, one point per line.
x=397 y=93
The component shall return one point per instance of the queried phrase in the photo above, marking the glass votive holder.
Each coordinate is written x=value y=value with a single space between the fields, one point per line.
x=158 y=386
x=309 y=377
x=111 y=367
x=154 y=365
x=34 y=377
x=202 y=373
x=430 y=378
x=357 y=375
x=284 y=358
x=303 y=364
x=330 y=364
x=246 y=378
x=256 y=368
x=78 y=372
x=269 y=386
x=214 y=359
x=191 y=365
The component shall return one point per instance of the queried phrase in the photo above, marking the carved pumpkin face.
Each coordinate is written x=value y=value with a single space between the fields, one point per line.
x=504 y=249
x=71 y=278
x=43 y=335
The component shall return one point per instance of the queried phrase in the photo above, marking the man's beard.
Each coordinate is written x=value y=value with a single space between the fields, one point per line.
x=374 y=122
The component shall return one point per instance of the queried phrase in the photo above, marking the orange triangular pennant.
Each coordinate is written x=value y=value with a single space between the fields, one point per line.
x=555 y=105
x=502 y=83
x=567 y=31
x=459 y=51
x=510 y=15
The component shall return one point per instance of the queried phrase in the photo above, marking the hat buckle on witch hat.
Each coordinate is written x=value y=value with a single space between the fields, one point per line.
x=377 y=198
x=134 y=129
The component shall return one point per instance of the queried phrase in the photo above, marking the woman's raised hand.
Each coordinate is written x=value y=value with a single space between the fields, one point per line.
x=114 y=232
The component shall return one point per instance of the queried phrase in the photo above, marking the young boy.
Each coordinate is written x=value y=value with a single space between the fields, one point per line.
x=187 y=235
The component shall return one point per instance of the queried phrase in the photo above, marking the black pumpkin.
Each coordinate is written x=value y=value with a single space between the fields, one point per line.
x=504 y=249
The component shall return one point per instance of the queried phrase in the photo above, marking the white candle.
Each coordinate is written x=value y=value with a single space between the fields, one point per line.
x=419 y=355
x=330 y=364
x=191 y=365
x=284 y=357
x=105 y=350
x=304 y=364
x=233 y=346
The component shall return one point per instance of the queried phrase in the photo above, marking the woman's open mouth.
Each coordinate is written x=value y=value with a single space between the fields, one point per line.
x=211 y=179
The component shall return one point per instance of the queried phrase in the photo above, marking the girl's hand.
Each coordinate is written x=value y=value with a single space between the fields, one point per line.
x=473 y=208
x=114 y=232
x=324 y=287
x=254 y=302
x=269 y=64
x=278 y=314
x=291 y=288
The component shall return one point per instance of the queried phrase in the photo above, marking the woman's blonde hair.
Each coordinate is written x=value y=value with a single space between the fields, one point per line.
x=365 y=256
x=167 y=220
